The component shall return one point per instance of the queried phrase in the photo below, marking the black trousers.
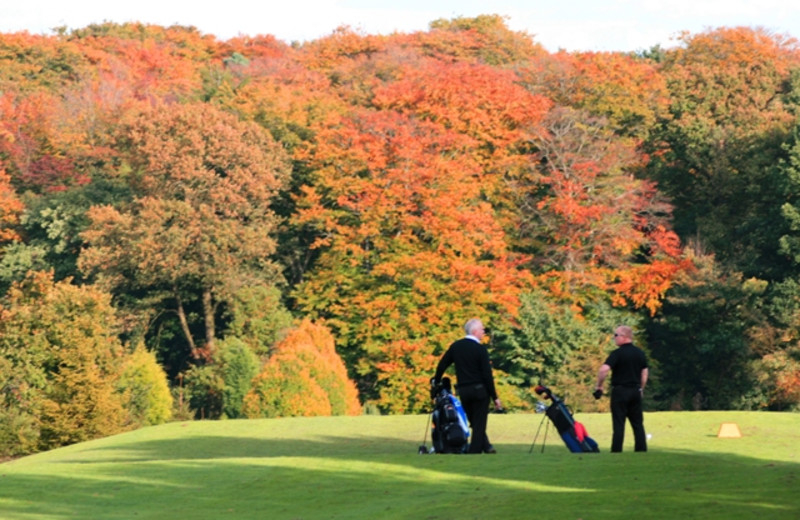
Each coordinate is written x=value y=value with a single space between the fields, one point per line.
x=626 y=404
x=475 y=400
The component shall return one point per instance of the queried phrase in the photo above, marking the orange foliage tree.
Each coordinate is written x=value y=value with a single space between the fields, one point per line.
x=592 y=218
x=304 y=376
x=33 y=63
x=153 y=62
x=409 y=247
x=10 y=208
x=492 y=156
x=484 y=38
x=484 y=103
x=589 y=223
x=629 y=93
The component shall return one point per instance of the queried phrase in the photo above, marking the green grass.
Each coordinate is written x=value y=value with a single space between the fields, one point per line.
x=368 y=467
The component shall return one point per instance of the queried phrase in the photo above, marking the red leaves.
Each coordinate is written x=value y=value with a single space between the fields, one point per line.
x=29 y=138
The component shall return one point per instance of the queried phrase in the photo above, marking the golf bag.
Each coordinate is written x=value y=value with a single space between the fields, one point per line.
x=572 y=432
x=450 y=430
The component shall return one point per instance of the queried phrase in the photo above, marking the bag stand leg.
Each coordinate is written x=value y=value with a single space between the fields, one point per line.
x=544 y=418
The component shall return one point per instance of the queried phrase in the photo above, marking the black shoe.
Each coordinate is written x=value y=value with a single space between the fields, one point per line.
x=491 y=450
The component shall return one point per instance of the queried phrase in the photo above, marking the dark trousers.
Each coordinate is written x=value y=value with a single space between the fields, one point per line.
x=626 y=403
x=475 y=400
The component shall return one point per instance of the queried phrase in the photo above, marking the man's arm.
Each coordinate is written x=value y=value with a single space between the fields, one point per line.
x=444 y=363
x=601 y=376
x=645 y=374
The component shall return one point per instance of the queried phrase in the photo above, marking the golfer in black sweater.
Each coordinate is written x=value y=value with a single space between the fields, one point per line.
x=475 y=382
x=629 y=373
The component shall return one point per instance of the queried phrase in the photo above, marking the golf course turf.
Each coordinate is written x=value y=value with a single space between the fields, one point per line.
x=368 y=467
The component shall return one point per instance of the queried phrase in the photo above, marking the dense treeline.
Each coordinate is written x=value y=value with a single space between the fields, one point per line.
x=247 y=228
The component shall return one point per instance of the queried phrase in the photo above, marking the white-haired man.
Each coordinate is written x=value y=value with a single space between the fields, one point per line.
x=475 y=382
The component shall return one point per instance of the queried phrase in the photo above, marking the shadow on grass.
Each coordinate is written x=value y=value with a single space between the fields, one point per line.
x=211 y=477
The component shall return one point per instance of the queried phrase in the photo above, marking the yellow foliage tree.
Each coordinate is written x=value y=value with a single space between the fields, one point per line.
x=304 y=377
x=62 y=359
x=145 y=389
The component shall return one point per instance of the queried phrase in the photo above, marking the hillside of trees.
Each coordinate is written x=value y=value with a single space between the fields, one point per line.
x=197 y=228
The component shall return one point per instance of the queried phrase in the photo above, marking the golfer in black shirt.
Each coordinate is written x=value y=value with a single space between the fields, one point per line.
x=628 y=366
x=475 y=382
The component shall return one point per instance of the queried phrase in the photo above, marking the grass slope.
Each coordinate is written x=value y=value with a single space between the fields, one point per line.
x=368 y=467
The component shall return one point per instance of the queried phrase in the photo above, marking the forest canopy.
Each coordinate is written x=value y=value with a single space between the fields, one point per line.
x=225 y=218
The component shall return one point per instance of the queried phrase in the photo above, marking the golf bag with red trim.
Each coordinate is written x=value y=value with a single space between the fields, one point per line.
x=572 y=432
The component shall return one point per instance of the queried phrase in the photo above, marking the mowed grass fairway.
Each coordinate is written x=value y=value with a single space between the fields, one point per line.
x=368 y=467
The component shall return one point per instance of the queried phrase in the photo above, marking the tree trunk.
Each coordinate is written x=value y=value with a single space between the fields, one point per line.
x=185 y=325
x=208 y=314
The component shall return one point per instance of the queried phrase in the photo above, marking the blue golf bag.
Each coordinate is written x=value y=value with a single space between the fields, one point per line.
x=450 y=429
x=571 y=431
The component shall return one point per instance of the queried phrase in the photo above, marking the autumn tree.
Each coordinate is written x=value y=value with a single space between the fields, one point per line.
x=35 y=63
x=303 y=377
x=716 y=150
x=484 y=103
x=199 y=225
x=400 y=200
x=409 y=247
x=485 y=37
x=152 y=62
x=62 y=356
x=10 y=209
x=629 y=93
x=29 y=143
x=270 y=86
x=145 y=389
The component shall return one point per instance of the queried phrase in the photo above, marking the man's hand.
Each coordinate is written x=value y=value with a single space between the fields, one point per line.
x=598 y=393
x=434 y=387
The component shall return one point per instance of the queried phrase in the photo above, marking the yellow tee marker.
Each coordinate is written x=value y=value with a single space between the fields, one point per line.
x=729 y=431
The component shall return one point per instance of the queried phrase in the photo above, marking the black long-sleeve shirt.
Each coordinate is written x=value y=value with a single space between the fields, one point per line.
x=627 y=363
x=472 y=365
